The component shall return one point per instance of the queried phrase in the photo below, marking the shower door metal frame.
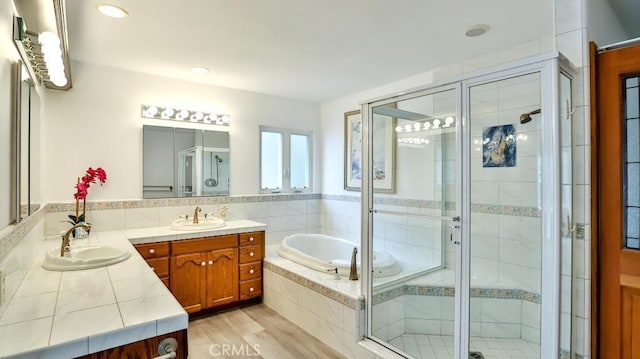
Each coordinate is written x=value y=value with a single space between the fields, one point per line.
x=550 y=205
x=367 y=196
x=549 y=66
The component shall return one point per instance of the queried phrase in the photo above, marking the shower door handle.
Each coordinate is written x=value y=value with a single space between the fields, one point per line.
x=454 y=239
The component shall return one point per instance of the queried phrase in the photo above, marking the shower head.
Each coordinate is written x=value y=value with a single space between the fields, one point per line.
x=526 y=117
x=218 y=159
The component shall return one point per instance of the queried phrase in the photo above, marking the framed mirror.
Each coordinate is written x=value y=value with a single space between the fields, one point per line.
x=183 y=162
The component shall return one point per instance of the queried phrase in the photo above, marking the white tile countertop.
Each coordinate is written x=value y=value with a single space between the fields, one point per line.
x=161 y=234
x=74 y=313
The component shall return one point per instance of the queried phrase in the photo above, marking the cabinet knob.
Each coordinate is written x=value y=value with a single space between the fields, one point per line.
x=251 y=289
x=250 y=254
x=251 y=239
x=251 y=271
x=152 y=251
x=153 y=269
x=210 y=262
x=203 y=263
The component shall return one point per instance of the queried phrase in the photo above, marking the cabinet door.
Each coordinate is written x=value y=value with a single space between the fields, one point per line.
x=188 y=280
x=222 y=277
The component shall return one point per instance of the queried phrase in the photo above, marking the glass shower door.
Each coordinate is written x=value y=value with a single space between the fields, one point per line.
x=505 y=244
x=414 y=170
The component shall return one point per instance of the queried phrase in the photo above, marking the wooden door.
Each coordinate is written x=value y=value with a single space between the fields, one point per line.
x=616 y=160
x=222 y=277
x=188 y=280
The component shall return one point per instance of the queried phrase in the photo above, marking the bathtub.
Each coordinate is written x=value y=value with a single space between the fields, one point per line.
x=325 y=253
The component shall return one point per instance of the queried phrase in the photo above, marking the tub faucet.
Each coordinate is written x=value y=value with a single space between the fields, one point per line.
x=353 y=274
x=64 y=248
x=195 y=215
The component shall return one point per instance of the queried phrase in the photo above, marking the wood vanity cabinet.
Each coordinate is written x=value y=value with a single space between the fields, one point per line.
x=204 y=272
x=210 y=272
x=157 y=257
x=144 y=349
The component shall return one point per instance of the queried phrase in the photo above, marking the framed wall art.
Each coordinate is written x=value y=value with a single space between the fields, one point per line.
x=383 y=152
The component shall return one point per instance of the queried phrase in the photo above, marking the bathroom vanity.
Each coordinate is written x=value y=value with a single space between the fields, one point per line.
x=124 y=310
x=209 y=272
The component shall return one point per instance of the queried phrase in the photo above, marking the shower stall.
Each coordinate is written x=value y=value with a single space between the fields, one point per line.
x=480 y=215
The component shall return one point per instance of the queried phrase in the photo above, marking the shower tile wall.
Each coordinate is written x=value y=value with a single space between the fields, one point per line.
x=507 y=248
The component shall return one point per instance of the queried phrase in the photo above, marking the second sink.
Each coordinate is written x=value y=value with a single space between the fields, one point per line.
x=204 y=224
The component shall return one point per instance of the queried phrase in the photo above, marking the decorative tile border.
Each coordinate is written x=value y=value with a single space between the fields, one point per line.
x=475 y=207
x=175 y=202
x=327 y=292
x=195 y=201
x=450 y=292
x=506 y=210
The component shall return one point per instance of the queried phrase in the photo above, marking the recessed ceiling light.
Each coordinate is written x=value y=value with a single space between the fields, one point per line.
x=476 y=30
x=200 y=69
x=112 y=11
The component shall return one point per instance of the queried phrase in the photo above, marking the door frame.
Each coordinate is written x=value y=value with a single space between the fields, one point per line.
x=596 y=219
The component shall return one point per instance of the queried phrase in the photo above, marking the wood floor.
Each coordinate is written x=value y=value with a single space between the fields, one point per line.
x=253 y=332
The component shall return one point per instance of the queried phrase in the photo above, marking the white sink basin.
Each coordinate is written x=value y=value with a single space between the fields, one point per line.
x=84 y=257
x=204 y=224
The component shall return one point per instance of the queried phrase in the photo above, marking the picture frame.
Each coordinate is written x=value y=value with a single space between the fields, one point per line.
x=383 y=156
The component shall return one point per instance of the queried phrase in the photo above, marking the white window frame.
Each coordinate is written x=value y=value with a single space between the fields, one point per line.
x=286 y=158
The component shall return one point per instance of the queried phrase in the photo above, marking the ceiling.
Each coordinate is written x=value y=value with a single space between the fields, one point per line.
x=302 y=49
x=627 y=12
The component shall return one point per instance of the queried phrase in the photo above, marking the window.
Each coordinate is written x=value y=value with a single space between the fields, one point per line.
x=285 y=160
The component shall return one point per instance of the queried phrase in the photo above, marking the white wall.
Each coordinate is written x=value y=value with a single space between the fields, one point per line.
x=98 y=123
x=604 y=26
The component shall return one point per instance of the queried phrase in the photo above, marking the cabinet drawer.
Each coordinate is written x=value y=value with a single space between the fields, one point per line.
x=204 y=244
x=153 y=250
x=160 y=266
x=251 y=271
x=250 y=254
x=251 y=238
x=250 y=289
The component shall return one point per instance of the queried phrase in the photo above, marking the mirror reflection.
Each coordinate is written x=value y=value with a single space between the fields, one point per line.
x=29 y=123
x=182 y=162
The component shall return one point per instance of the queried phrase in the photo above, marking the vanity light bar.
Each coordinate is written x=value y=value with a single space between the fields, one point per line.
x=181 y=115
x=427 y=125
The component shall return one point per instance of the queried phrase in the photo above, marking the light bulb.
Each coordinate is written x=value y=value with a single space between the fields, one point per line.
x=59 y=81
x=416 y=126
x=48 y=38
x=407 y=128
x=427 y=125
x=436 y=123
x=448 y=121
x=398 y=128
x=151 y=111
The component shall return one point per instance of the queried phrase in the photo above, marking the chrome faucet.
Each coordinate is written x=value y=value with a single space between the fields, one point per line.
x=353 y=274
x=64 y=248
x=195 y=215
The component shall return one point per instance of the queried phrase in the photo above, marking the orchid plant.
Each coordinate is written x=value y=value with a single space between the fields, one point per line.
x=97 y=175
